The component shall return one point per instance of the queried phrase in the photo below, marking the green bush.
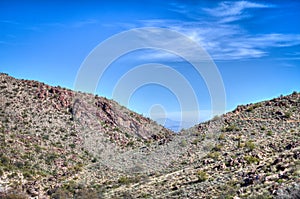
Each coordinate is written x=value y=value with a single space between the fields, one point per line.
x=250 y=109
x=287 y=114
x=218 y=147
x=269 y=133
x=4 y=160
x=26 y=174
x=124 y=180
x=195 y=141
x=213 y=155
x=230 y=128
x=250 y=145
x=127 y=180
x=251 y=159
x=130 y=144
x=202 y=176
x=222 y=136
x=183 y=143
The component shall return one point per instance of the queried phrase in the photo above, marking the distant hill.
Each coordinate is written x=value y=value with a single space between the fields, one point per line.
x=58 y=143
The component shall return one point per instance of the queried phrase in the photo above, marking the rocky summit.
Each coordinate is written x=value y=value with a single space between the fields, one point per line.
x=58 y=143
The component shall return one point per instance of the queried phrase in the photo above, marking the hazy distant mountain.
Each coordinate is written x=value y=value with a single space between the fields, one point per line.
x=173 y=125
x=57 y=143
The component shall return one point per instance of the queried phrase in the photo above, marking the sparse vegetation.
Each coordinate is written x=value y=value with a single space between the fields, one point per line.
x=230 y=128
x=46 y=153
x=183 y=143
x=250 y=145
x=222 y=136
x=202 y=176
x=251 y=159
x=214 y=155
x=288 y=115
x=269 y=133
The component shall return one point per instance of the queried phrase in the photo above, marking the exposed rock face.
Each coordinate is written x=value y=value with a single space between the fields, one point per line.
x=57 y=143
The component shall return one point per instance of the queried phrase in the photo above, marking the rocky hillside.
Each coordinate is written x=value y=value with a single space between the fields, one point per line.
x=56 y=143
x=252 y=152
x=50 y=134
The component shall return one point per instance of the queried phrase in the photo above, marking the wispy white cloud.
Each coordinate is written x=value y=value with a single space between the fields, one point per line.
x=222 y=39
x=233 y=8
x=224 y=12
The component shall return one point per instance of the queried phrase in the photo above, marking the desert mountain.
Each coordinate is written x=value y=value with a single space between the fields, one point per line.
x=58 y=143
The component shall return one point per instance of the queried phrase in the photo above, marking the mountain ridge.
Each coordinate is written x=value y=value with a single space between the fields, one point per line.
x=58 y=143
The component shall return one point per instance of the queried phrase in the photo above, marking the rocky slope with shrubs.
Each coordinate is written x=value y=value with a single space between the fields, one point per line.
x=57 y=143
x=50 y=134
x=252 y=152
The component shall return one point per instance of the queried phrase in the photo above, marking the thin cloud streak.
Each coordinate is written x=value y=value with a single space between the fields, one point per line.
x=221 y=38
x=223 y=41
x=228 y=8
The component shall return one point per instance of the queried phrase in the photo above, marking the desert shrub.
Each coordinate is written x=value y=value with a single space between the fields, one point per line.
x=78 y=167
x=124 y=180
x=202 y=176
x=250 y=145
x=287 y=114
x=50 y=157
x=19 y=164
x=269 y=133
x=250 y=109
x=45 y=137
x=218 y=147
x=127 y=180
x=222 y=136
x=183 y=143
x=195 y=141
x=214 y=155
x=4 y=160
x=251 y=159
x=130 y=144
x=37 y=148
x=230 y=128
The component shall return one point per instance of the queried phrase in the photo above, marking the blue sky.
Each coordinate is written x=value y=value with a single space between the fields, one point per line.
x=254 y=44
